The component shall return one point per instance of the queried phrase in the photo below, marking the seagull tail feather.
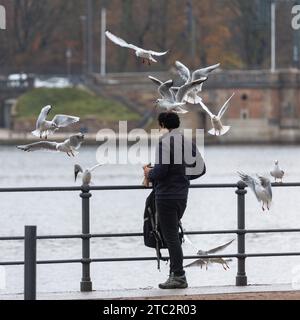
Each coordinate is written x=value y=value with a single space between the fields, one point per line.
x=191 y=100
x=215 y=132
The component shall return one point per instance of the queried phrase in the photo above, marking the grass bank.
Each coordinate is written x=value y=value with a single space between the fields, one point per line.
x=73 y=101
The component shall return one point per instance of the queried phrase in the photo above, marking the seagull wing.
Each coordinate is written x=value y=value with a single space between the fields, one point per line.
x=120 y=42
x=224 y=107
x=250 y=182
x=155 y=53
x=196 y=263
x=159 y=83
x=62 y=120
x=155 y=80
x=75 y=140
x=179 y=110
x=43 y=115
x=183 y=71
x=220 y=248
x=205 y=108
x=183 y=90
x=266 y=183
x=165 y=92
x=204 y=71
x=41 y=145
x=94 y=167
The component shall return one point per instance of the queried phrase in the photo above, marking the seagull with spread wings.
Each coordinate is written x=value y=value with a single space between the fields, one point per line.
x=188 y=76
x=86 y=174
x=261 y=186
x=69 y=146
x=218 y=128
x=206 y=261
x=170 y=100
x=146 y=55
x=45 y=127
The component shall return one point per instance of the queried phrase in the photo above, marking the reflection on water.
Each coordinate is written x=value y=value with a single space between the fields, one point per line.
x=122 y=211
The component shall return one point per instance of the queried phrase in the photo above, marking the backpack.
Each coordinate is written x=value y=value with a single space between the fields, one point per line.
x=153 y=237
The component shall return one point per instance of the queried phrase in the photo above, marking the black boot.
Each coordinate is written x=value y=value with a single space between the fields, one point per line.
x=174 y=282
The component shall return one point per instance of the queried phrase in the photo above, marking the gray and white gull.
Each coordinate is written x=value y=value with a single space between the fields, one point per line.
x=69 y=146
x=261 y=186
x=277 y=172
x=218 y=129
x=146 y=55
x=206 y=261
x=45 y=127
x=188 y=76
x=171 y=101
x=86 y=174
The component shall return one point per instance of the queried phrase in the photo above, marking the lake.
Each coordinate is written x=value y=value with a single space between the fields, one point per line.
x=122 y=211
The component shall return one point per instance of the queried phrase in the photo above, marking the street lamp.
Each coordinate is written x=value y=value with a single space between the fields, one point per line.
x=273 y=36
x=103 y=43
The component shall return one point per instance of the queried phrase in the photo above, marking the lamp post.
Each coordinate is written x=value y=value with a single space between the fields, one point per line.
x=103 y=44
x=273 y=36
x=89 y=12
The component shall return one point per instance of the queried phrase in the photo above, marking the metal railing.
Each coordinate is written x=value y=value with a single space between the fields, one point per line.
x=31 y=236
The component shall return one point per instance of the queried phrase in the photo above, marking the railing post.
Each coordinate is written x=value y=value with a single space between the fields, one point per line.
x=86 y=283
x=241 y=277
x=30 y=263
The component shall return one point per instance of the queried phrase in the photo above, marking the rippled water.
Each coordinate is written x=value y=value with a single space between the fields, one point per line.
x=122 y=211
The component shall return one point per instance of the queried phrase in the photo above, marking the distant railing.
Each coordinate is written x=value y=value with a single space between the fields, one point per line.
x=86 y=282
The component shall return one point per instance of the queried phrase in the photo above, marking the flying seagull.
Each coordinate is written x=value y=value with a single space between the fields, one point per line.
x=170 y=100
x=188 y=76
x=276 y=172
x=45 y=127
x=68 y=146
x=86 y=174
x=218 y=128
x=205 y=261
x=261 y=187
x=146 y=55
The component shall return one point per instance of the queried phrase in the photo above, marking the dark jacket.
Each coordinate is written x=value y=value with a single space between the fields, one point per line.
x=177 y=161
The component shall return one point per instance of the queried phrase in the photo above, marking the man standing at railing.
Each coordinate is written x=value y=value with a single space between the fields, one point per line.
x=177 y=160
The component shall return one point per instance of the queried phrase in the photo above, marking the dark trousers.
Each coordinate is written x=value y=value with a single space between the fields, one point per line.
x=169 y=213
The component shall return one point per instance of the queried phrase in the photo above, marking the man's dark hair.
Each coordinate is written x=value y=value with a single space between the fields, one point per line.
x=169 y=120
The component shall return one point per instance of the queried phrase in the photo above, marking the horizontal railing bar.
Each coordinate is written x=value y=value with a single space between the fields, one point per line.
x=202 y=256
x=40 y=189
x=68 y=236
x=11 y=238
x=192 y=186
x=115 y=259
x=11 y=263
x=270 y=230
x=140 y=234
x=151 y=258
x=132 y=187
x=248 y=255
x=273 y=254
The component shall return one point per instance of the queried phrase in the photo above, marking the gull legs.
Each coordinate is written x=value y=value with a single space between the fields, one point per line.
x=71 y=153
x=144 y=61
